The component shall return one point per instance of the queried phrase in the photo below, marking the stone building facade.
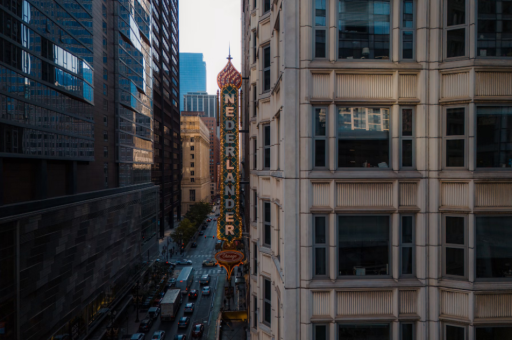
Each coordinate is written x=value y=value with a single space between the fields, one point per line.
x=195 y=184
x=380 y=156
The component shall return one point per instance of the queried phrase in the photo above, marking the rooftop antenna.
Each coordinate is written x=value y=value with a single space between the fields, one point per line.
x=229 y=58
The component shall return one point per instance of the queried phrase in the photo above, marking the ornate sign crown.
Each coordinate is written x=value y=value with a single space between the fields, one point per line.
x=229 y=75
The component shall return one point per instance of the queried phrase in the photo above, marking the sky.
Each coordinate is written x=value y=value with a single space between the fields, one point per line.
x=210 y=27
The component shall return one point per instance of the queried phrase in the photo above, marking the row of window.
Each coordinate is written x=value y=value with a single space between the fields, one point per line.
x=364 y=29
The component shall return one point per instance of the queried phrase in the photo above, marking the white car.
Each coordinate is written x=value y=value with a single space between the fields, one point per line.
x=184 y=262
x=158 y=335
x=138 y=336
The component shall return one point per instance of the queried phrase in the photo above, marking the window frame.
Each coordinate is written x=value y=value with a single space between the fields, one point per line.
x=407 y=245
x=444 y=124
x=265 y=301
x=390 y=139
x=453 y=324
x=321 y=28
x=325 y=138
x=465 y=246
x=264 y=69
x=267 y=147
x=266 y=224
x=412 y=138
x=407 y=29
x=390 y=250
x=324 y=246
x=465 y=26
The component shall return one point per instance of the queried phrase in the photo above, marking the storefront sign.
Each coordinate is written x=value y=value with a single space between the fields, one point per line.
x=229 y=259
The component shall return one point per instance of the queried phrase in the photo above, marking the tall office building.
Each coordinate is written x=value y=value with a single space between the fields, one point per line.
x=166 y=170
x=201 y=101
x=381 y=169
x=192 y=75
x=77 y=207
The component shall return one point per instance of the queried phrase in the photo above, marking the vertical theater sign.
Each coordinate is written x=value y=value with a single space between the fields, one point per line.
x=229 y=223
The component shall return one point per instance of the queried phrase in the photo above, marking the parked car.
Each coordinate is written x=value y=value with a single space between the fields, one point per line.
x=206 y=290
x=183 y=262
x=209 y=220
x=180 y=337
x=158 y=335
x=183 y=322
x=192 y=294
x=138 y=336
x=197 y=330
x=145 y=325
x=189 y=308
x=215 y=219
x=201 y=233
x=154 y=312
x=172 y=282
x=193 y=245
x=158 y=298
x=209 y=263
x=204 y=280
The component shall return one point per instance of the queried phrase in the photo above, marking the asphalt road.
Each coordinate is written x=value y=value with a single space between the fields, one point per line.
x=203 y=304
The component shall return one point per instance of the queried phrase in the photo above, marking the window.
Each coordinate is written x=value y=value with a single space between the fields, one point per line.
x=364 y=29
x=255 y=154
x=454 y=246
x=105 y=74
x=267 y=237
x=191 y=173
x=191 y=139
x=266 y=147
x=255 y=213
x=105 y=57
x=320 y=28
x=104 y=11
x=266 y=6
x=364 y=331
x=192 y=195
x=363 y=245
x=455 y=28
x=320 y=137
x=105 y=151
x=192 y=180
x=105 y=121
x=266 y=68
x=320 y=332
x=104 y=27
x=407 y=29
x=407 y=234
x=255 y=311
x=254 y=101
x=105 y=104
x=494 y=136
x=320 y=245
x=254 y=46
x=255 y=3
x=406 y=331
x=105 y=43
x=191 y=148
x=363 y=137
x=493 y=247
x=407 y=138
x=105 y=174
x=493 y=333
x=105 y=136
x=191 y=164
x=192 y=156
x=454 y=332
x=494 y=29
x=105 y=90
x=267 y=310
x=255 y=259
x=455 y=137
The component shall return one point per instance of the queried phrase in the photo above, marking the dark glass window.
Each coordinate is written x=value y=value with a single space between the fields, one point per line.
x=320 y=332
x=363 y=137
x=455 y=132
x=266 y=68
x=266 y=146
x=494 y=26
x=363 y=245
x=192 y=195
x=320 y=28
x=320 y=244
x=407 y=138
x=364 y=332
x=255 y=311
x=494 y=333
x=407 y=29
x=255 y=154
x=455 y=246
x=254 y=47
x=266 y=6
x=456 y=28
x=407 y=245
x=320 y=44
x=494 y=137
x=455 y=333
x=363 y=29
x=267 y=237
x=320 y=140
x=267 y=302
x=456 y=43
x=406 y=331
x=456 y=12
x=494 y=247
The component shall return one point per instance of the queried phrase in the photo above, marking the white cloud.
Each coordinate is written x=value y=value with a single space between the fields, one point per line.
x=209 y=27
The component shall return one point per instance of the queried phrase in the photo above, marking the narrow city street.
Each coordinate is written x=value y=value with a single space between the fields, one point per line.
x=203 y=304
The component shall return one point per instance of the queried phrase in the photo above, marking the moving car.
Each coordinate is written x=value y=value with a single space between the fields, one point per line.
x=204 y=280
x=206 y=290
x=183 y=262
x=197 y=330
x=145 y=325
x=192 y=294
x=138 y=336
x=193 y=245
x=209 y=263
x=209 y=220
x=218 y=244
x=158 y=335
x=180 y=337
x=154 y=312
x=158 y=298
x=201 y=233
x=189 y=308
x=171 y=283
x=183 y=322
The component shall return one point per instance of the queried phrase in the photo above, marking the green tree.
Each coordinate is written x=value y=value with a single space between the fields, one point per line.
x=184 y=232
x=198 y=212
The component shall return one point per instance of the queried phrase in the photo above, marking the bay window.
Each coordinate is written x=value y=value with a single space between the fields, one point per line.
x=364 y=29
x=363 y=245
x=494 y=137
x=493 y=247
x=363 y=137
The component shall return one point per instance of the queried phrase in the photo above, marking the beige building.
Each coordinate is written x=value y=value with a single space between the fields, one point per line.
x=381 y=169
x=195 y=184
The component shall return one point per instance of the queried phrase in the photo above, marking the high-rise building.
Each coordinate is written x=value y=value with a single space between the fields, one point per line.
x=201 y=101
x=166 y=171
x=211 y=124
x=195 y=185
x=192 y=75
x=381 y=169
x=78 y=211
